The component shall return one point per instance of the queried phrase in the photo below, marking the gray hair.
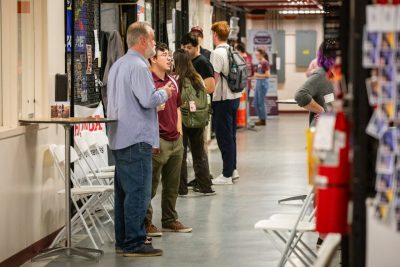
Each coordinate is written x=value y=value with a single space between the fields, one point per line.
x=137 y=30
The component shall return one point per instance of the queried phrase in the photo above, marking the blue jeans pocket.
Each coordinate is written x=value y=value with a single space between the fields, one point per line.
x=144 y=147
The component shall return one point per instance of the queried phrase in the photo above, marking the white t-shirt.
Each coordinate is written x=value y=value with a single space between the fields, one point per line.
x=220 y=62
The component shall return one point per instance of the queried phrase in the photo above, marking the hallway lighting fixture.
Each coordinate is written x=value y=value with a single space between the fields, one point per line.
x=301 y=11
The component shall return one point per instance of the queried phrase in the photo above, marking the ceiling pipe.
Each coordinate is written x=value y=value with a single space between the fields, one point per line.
x=224 y=4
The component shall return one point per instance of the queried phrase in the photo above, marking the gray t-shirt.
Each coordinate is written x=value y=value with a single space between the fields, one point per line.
x=317 y=87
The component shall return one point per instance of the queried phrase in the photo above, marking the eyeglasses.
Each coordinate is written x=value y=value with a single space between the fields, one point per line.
x=164 y=54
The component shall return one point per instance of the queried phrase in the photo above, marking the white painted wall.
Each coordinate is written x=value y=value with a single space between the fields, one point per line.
x=29 y=204
x=294 y=76
x=200 y=14
x=383 y=239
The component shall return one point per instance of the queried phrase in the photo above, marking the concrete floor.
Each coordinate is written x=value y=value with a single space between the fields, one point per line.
x=272 y=165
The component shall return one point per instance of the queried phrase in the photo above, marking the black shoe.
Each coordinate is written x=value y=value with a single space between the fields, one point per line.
x=144 y=251
x=147 y=242
x=208 y=192
x=192 y=183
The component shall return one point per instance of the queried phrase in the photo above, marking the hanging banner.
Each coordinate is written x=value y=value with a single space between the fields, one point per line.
x=261 y=39
x=69 y=25
x=82 y=111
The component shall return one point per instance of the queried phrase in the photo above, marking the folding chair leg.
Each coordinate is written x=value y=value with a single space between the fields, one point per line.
x=277 y=246
x=79 y=212
x=293 y=233
x=294 y=246
x=103 y=228
x=286 y=258
x=308 y=249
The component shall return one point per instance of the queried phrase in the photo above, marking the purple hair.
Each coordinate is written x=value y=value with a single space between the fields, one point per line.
x=325 y=58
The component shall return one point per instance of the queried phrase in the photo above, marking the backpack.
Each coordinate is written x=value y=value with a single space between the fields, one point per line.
x=237 y=75
x=200 y=117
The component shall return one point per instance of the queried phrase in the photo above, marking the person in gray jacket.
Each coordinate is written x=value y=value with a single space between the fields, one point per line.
x=317 y=92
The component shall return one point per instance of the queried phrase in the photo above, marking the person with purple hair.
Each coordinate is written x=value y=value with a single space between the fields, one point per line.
x=317 y=92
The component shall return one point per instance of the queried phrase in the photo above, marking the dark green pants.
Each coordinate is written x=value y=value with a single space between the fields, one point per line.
x=167 y=166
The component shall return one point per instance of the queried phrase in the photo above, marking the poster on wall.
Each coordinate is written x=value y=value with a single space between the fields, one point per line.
x=261 y=39
x=140 y=10
x=271 y=106
x=148 y=12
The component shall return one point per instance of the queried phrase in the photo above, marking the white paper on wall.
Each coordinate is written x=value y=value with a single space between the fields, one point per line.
x=373 y=16
x=324 y=132
x=96 y=45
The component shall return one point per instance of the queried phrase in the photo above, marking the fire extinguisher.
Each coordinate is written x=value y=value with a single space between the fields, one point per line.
x=333 y=183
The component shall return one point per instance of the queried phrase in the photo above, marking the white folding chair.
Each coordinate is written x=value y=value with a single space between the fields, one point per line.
x=91 y=197
x=95 y=171
x=327 y=250
x=98 y=141
x=289 y=229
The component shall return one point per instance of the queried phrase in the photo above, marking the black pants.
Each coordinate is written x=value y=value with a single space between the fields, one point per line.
x=225 y=132
x=200 y=159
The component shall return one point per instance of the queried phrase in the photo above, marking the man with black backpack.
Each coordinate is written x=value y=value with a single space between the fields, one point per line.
x=225 y=100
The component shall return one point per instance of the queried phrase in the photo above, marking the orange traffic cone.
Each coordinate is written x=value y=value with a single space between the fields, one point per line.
x=241 y=112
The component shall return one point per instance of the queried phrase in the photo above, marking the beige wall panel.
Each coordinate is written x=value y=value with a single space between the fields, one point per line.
x=30 y=206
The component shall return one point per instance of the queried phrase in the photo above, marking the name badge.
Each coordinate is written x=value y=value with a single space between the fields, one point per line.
x=329 y=98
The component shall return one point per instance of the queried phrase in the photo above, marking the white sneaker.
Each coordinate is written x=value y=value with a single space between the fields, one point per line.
x=222 y=180
x=235 y=175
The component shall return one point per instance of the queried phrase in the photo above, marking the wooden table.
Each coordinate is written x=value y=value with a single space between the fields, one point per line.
x=68 y=250
x=287 y=101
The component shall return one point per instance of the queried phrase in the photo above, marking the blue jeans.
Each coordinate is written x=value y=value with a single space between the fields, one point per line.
x=132 y=184
x=225 y=132
x=259 y=98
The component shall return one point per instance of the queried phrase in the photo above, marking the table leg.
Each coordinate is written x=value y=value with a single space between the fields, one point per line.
x=69 y=252
x=67 y=172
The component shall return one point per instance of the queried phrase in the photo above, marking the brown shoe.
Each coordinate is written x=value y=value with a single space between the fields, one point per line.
x=177 y=227
x=260 y=123
x=153 y=231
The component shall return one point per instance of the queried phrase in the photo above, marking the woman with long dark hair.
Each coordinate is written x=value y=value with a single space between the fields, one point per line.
x=262 y=74
x=189 y=79
x=317 y=92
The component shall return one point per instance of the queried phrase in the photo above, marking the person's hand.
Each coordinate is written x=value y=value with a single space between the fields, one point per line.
x=168 y=88
x=156 y=151
x=161 y=107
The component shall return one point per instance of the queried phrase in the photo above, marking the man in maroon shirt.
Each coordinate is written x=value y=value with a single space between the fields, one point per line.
x=167 y=159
